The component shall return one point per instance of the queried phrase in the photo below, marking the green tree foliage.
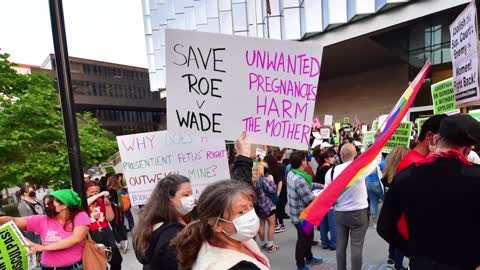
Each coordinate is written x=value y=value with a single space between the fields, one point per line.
x=32 y=138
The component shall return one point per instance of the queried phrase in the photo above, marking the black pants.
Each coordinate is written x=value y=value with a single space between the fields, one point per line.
x=280 y=212
x=118 y=226
x=106 y=237
x=303 y=249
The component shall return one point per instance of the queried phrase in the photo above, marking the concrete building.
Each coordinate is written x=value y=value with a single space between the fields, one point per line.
x=118 y=96
x=372 y=48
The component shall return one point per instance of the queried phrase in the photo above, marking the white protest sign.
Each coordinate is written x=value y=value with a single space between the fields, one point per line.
x=149 y=157
x=222 y=85
x=325 y=133
x=463 y=49
x=328 y=121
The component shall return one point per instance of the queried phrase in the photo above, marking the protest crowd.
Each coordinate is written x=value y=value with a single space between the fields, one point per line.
x=191 y=198
x=232 y=225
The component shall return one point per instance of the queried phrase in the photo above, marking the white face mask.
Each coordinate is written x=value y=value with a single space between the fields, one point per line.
x=246 y=226
x=188 y=203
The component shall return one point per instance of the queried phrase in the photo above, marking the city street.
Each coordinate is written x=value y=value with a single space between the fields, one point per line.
x=374 y=254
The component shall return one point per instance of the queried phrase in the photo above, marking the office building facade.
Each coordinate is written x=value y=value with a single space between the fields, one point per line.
x=117 y=95
x=372 y=48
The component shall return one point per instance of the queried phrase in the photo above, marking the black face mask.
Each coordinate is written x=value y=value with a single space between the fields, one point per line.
x=50 y=210
x=32 y=194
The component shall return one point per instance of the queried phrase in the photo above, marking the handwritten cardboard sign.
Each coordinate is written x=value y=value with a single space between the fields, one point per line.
x=368 y=139
x=464 y=53
x=328 y=120
x=149 y=157
x=222 y=85
x=325 y=133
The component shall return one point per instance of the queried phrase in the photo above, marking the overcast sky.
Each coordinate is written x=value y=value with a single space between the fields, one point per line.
x=105 y=30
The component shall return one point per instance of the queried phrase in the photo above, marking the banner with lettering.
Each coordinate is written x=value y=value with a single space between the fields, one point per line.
x=149 y=157
x=464 y=53
x=13 y=254
x=400 y=137
x=222 y=85
x=443 y=97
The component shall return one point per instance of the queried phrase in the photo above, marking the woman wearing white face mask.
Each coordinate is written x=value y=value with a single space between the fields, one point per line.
x=165 y=214
x=222 y=238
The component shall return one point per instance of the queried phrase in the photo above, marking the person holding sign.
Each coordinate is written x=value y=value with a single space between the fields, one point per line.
x=62 y=231
x=166 y=213
x=222 y=237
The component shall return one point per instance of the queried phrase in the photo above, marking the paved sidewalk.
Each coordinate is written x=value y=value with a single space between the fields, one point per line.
x=374 y=254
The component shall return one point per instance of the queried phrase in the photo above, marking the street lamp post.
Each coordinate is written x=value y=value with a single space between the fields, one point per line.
x=66 y=97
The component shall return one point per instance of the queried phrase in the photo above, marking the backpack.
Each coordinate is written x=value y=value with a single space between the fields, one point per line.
x=273 y=196
x=126 y=204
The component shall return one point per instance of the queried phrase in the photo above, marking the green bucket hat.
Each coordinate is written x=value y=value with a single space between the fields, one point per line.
x=68 y=197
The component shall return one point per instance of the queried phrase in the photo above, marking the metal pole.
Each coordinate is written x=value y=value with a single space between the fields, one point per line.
x=66 y=98
x=255 y=30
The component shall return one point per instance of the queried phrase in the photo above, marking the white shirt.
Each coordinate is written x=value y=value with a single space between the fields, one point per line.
x=356 y=197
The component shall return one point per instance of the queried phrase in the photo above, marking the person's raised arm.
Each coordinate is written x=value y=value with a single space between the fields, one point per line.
x=242 y=165
x=95 y=197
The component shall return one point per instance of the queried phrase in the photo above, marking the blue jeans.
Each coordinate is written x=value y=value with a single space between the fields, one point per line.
x=328 y=224
x=129 y=217
x=396 y=256
x=375 y=193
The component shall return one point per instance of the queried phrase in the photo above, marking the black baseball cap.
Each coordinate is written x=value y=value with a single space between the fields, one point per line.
x=460 y=130
x=432 y=124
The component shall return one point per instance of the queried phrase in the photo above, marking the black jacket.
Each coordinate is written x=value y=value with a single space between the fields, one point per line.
x=242 y=169
x=161 y=255
x=440 y=201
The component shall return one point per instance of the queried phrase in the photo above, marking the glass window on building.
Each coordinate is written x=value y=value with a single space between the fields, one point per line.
x=430 y=39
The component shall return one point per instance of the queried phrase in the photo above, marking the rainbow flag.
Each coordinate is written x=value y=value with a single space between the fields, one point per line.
x=314 y=213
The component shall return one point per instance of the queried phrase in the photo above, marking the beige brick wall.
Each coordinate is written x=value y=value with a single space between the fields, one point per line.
x=367 y=94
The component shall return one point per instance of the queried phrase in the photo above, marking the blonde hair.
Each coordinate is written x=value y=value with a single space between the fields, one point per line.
x=392 y=161
x=258 y=170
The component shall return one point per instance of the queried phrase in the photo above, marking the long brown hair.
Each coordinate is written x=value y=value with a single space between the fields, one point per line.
x=392 y=161
x=158 y=209
x=72 y=212
x=216 y=199
x=113 y=183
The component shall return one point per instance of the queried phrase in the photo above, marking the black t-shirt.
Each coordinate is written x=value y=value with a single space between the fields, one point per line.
x=434 y=197
x=320 y=175
x=278 y=174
